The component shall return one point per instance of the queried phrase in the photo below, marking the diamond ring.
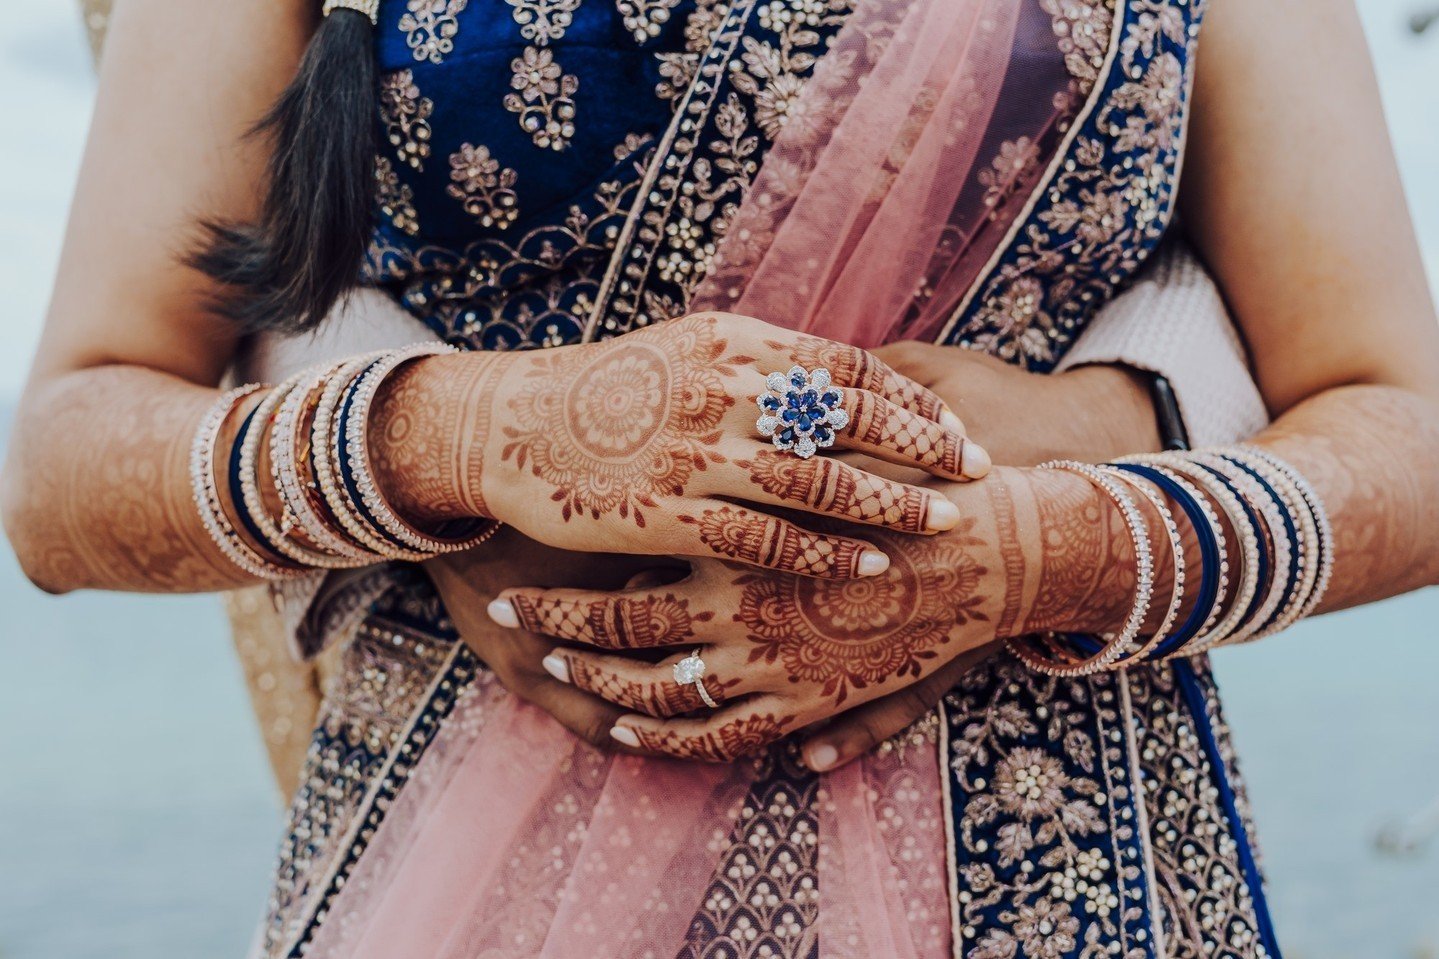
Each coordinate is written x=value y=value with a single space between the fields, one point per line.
x=690 y=671
x=800 y=411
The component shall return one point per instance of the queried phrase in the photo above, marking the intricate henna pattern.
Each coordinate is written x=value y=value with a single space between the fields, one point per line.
x=613 y=622
x=611 y=428
x=1012 y=551
x=862 y=370
x=857 y=633
x=874 y=422
x=766 y=541
x=839 y=490
x=661 y=698
x=1075 y=526
x=427 y=430
x=733 y=739
x=116 y=512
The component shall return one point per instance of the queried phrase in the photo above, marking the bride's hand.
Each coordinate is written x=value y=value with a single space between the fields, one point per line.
x=780 y=652
x=647 y=443
x=466 y=582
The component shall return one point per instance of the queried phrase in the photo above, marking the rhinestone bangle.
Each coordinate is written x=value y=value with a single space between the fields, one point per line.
x=352 y=449
x=286 y=457
x=1176 y=549
x=1245 y=532
x=206 y=492
x=322 y=450
x=1115 y=644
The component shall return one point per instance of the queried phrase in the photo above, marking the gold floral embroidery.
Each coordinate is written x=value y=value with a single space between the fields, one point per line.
x=395 y=199
x=482 y=187
x=544 y=93
x=645 y=18
x=406 y=116
x=430 y=27
x=1206 y=907
x=1045 y=808
x=1016 y=160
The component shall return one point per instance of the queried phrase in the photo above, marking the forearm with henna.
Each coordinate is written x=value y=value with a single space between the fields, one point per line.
x=1371 y=454
x=97 y=485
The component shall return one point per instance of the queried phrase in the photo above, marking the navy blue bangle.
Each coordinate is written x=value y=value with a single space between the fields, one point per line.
x=1262 y=567
x=1289 y=531
x=237 y=499
x=1208 y=552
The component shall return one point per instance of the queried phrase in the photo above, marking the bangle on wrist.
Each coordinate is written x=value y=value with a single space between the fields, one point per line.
x=1044 y=653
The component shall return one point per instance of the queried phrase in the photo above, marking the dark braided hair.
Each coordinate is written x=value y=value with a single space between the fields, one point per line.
x=303 y=255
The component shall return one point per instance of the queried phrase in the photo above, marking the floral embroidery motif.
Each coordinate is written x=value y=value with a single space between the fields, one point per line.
x=395 y=199
x=1108 y=207
x=406 y=117
x=430 y=27
x=1045 y=817
x=765 y=52
x=484 y=189
x=544 y=93
x=764 y=898
x=645 y=18
x=1206 y=906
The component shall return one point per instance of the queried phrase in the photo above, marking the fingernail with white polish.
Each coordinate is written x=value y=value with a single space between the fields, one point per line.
x=872 y=562
x=974 y=462
x=503 y=612
x=949 y=421
x=942 y=515
x=625 y=736
x=822 y=757
x=556 y=666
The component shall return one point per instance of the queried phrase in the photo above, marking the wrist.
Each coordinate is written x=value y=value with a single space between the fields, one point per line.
x=1117 y=411
x=427 y=434
x=1069 y=557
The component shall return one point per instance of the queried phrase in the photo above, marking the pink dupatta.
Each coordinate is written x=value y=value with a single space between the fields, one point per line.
x=872 y=214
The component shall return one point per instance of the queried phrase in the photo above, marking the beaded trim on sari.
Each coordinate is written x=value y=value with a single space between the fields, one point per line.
x=1090 y=817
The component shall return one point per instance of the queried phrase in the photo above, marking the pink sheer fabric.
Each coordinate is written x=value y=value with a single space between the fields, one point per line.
x=870 y=217
x=515 y=839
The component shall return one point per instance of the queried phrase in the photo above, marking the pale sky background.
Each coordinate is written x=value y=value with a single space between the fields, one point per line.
x=43 y=63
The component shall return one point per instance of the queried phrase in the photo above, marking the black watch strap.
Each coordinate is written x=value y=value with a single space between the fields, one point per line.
x=1166 y=414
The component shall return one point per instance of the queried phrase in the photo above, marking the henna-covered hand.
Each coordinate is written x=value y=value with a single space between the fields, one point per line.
x=782 y=651
x=648 y=444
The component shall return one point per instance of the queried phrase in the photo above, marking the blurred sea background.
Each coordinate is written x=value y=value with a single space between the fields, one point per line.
x=137 y=815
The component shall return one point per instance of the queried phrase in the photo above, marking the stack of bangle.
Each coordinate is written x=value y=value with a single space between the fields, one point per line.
x=332 y=514
x=1264 y=546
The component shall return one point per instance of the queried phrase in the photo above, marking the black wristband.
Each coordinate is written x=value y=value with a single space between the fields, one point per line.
x=1166 y=414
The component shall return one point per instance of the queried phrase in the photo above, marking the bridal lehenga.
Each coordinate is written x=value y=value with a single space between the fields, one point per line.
x=980 y=173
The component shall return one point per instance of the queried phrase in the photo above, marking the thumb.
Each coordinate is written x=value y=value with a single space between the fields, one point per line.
x=856 y=732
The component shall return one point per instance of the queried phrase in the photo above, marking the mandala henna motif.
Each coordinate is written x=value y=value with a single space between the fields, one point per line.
x=614 y=428
x=766 y=541
x=732 y=740
x=837 y=490
x=856 y=633
x=612 y=623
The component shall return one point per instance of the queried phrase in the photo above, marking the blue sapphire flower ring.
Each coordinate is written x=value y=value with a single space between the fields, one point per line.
x=800 y=411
